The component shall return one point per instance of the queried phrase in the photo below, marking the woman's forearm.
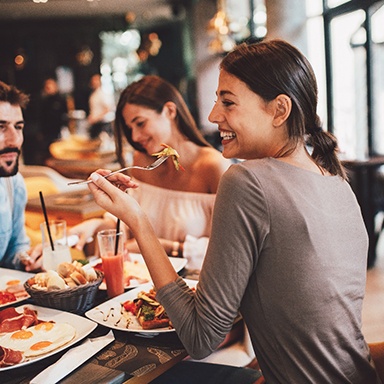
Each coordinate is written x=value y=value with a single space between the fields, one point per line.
x=110 y=194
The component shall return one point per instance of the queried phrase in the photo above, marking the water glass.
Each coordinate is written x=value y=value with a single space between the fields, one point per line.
x=55 y=246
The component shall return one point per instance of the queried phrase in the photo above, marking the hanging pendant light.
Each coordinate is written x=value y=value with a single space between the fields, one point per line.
x=226 y=30
x=218 y=26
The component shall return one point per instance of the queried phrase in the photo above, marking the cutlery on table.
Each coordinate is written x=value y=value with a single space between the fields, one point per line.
x=150 y=167
x=72 y=359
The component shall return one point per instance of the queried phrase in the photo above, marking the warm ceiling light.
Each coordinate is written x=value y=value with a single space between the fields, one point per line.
x=219 y=27
x=19 y=60
x=226 y=29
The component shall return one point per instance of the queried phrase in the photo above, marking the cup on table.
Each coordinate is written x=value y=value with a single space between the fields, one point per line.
x=112 y=256
x=55 y=246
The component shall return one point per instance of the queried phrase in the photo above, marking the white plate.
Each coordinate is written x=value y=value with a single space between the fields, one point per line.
x=178 y=264
x=83 y=328
x=12 y=274
x=110 y=315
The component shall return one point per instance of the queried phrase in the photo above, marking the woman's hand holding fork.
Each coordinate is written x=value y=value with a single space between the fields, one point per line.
x=110 y=194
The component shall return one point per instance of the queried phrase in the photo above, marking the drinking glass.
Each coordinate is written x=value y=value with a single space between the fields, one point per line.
x=56 y=251
x=112 y=255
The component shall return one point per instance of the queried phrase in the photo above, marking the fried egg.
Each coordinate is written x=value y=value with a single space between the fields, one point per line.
x=39 y=339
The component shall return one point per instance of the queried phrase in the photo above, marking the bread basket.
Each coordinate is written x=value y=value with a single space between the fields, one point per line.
x=75 y=300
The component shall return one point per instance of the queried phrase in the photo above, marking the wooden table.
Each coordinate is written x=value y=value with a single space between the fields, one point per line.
x=139 y=360
x=129 y=359
x=74 y=207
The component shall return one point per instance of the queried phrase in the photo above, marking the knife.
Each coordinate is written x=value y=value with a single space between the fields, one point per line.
x=72 y=359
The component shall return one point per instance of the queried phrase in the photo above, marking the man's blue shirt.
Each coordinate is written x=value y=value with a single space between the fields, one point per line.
x=13 y=238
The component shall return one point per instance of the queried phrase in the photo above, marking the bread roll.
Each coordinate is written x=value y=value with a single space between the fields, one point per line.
x=78 y=278
x=89 y=272
x=65 y=269
x=41 y=279
x=78 y=266
x=70 y=282
x=55 y=282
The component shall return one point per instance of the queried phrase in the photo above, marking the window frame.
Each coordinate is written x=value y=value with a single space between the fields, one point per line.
x=330 y=13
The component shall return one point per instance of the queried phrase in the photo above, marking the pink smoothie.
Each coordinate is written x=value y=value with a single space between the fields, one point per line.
x=113 y=267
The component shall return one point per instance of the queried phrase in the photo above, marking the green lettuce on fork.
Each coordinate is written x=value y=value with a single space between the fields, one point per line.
x=170 y=152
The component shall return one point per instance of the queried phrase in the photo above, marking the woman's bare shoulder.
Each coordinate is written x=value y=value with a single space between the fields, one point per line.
x=210 y=166
x=211 y=158
x=141 y=158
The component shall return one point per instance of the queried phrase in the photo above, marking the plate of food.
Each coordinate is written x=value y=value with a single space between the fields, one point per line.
x=136 y=272
x=12 y=286
x=30 y=333
x=135 y=311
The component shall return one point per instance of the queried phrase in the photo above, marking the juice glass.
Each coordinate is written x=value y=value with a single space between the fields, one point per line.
x=111 y=246
x=55 y=246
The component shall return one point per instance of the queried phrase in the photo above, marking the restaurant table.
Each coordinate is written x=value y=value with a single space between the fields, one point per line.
x=363 y=179
x=131 y=358
x=128 y=359
x=72 y=206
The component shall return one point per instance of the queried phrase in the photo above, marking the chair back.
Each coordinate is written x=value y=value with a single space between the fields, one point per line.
x=377 y=353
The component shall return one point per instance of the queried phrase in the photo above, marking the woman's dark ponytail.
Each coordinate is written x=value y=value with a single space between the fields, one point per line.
x=325 y=150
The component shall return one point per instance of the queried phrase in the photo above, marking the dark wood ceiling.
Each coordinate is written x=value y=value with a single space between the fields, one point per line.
x=28 y=9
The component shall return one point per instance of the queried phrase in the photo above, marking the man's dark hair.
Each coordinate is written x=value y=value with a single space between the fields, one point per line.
x=12 y=95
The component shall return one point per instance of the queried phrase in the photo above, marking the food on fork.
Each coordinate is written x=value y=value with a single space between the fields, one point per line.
x=170 y=152
x=149 y=312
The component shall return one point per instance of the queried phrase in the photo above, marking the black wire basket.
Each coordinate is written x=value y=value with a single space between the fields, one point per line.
x=75 y=300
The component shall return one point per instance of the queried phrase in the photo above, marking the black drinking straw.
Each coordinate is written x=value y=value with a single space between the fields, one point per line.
x=117 y=237
x=46 y=219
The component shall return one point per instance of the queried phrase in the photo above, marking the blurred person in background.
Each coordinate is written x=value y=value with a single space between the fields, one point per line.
x=179 y=203
x=101 y=109
x=152 y=111
x=53 y=115
x=14 y=242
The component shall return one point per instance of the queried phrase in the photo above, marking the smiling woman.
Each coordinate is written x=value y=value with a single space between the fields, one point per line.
x=287 y=233
x=151 y=111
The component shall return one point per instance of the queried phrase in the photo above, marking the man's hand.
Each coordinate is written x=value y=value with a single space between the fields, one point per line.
x=33 y=258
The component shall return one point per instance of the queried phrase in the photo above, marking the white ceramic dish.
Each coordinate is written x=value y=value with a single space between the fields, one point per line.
x=177 y=262
x=110 y=313
x=83 y=328
x=7 y=275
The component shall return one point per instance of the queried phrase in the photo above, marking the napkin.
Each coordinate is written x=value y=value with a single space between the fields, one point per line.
x=72 y=359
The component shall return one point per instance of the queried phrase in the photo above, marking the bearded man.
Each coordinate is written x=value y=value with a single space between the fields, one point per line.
x=14 y=241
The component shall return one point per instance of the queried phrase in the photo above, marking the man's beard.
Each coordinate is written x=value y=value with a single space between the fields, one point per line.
x=6 y=172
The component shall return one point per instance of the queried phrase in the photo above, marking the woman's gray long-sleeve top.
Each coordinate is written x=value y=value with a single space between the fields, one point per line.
x=289 y=251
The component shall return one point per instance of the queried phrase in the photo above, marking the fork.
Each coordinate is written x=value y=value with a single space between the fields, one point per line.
x=149 y=167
